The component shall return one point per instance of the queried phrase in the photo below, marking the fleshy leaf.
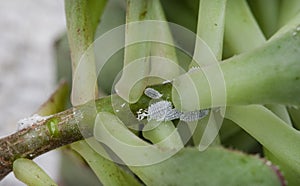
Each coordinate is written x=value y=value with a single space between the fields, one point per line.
x=82 y=18
x=273 y=133
x=106 y=170
x=215 y=166
x=30 y=173
x=269 y=65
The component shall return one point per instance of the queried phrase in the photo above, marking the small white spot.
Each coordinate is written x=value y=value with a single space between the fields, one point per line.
x=167 y=81
x=77 y=116
x=141 y=114
x=28 y=122
x=194 y=69
x=298 y=28
x=294 y=33
x=268 y=163
x=123 y=105
x=152 y=93
x=117 y=110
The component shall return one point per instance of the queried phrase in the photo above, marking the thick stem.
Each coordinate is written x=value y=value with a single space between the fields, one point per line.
x=38 y=139
x=61 y=129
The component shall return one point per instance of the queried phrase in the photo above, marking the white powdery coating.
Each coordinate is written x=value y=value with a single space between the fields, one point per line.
x=193 y=115
x=163 y=111
x=159 y=110
x=28 y=122
x=152 y=93
x=172 y=114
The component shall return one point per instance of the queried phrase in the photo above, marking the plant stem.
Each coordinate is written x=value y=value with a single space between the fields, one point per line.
x=264 y=63
x=240 y=24
x=82 y=18
x=269 y=65
x=210 y=28
x=41 y=138
x=37 y=139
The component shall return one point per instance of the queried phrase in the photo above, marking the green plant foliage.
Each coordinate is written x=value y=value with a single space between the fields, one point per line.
x=215 y=166
x=107 y=171
x=30 y=173
x=268 y=64
x=256 y=47
x=263 y=125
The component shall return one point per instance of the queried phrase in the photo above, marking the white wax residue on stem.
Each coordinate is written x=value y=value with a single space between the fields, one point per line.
x=29 y=121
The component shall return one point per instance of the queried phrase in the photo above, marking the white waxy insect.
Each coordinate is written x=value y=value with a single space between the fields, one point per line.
x=172 y=114
x=158 y=111
x=193 y=115
x=152 y=93
x=163 y=111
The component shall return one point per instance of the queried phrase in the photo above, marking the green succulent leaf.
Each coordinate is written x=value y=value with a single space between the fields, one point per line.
x=82 y=18
x=30 y=173
x=106 y=170
x=215 y=166
x=263 y=125
x=138 y=56
x=256 y=77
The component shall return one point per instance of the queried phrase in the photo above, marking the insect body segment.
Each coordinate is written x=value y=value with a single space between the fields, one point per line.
x=152 y=93
x=164 y=111
x=193 y=115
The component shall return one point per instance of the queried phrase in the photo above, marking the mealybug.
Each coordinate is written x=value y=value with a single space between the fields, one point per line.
x=152 y=93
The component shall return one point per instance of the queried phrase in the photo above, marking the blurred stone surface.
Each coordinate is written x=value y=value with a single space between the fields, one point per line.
x=28 y=29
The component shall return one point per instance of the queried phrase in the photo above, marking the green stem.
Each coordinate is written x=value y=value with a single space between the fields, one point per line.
x=60 y=129
x=268 y=21
x=38 y=139
x=82 y=18
x=263 y=125
x=210 y=27
x=102 y=167
x=271 y=85
x=163 y=134
x=144 y=59
x=240 y=25
x=269 y=65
